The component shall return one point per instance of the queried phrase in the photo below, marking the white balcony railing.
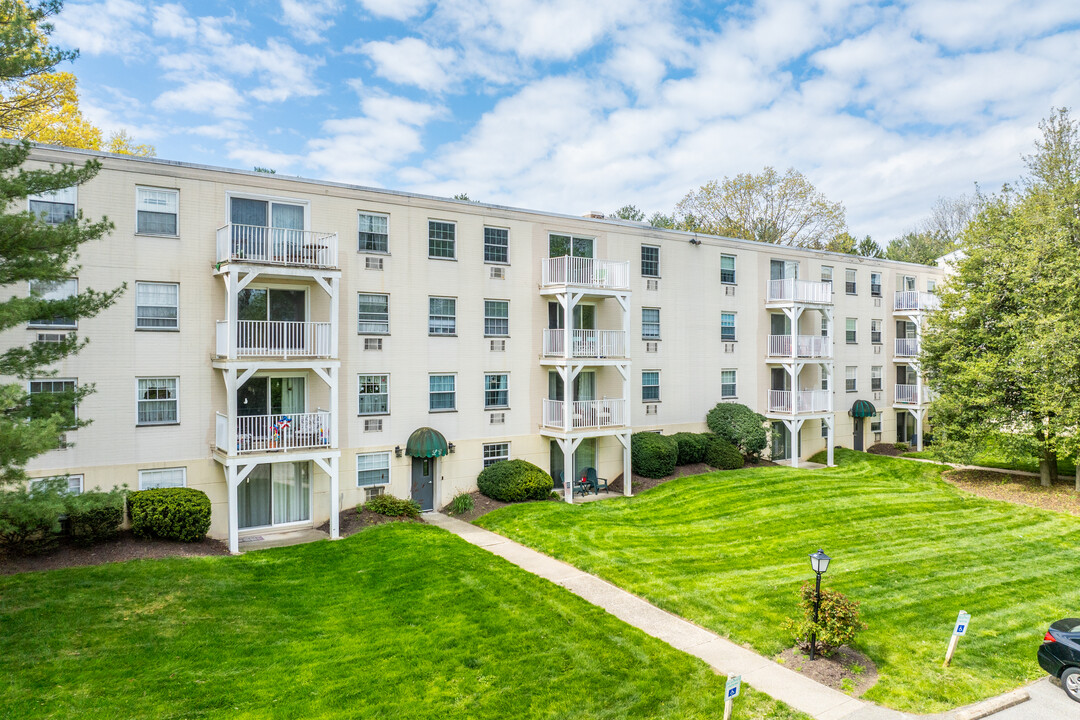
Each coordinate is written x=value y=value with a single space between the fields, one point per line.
x=803 y=401
x=276 y=246
x=910 y=395
x=262 y=433
x=802 y=291
x=585 y=414
x=914 y=301
x=585 y=343
x=585 y=272
x=806 y=346
x=276 y=338
x=907 y=347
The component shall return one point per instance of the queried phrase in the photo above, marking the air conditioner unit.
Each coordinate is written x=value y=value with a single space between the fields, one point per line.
x=652 y=284
x=498 y=418
x=652 y=347
x=374 y=425
x=373 y=492
x=373 y=343
x=877 y=395
x=729 y=289
x=877 y=349
x=877 y=437
x=64 y=443
x=877 y=302
x=498 y=346
x=650 y=409
x=729 y=347
x=51 y=337
x=498 y=273
x=373 y=263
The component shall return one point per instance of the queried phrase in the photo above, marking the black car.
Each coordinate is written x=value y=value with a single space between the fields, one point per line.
x=1059 y=654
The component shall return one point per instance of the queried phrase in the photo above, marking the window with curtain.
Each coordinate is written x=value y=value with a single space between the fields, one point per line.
x=374 y=233
x=372 y=469
x=74 y=483
x=158 y=402
x=253 y=501
x=727 y=327
x=875 y=332
x=496 y=318
x=441 y=392
x=851 y=376
x=157 y=306
x=156 y=211
x=824 y=429
x=496 y=391
x=650 y=323
x=650 y=386
x=441 y=239
x=56 y=386
x=727 y=269
x=875 y=378
x=495 y=452
x=162 y=478
x=584 y=457
x=650 y=261
x=54 y=290
x=372 y=314
x=442 y=316
x=826 y=274
x=374 y=394
x=727 y=384
x=292 y=492
x=875 y=423
x=875 y=284
x=850 y=334
x=849 y=282
x=53 y=207
x=496 y=245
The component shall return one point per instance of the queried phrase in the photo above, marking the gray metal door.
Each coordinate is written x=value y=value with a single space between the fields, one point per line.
x=423 y=482
x=857 y=442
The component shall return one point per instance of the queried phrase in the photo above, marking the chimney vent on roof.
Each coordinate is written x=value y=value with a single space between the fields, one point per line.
x=594 y=215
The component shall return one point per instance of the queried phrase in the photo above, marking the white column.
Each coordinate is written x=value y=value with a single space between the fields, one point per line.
x=831 y=440
x=627 y=464
x=794 y=427
x=230 y=404
x=335 y=284
x=335 y=500
x=234 y=511
x=568 y=470
x=918 y=426
x=232 y=281
x=333 y=429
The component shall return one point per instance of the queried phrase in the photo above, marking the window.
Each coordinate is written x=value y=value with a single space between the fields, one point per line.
x=931 y=286
x=875 y=423
x=824 y=326
x=372 y=469
x=56 y=290
x=53 y=207
x=374 y=233
x=824 y=429
x=496 y=391
x=727 y=327
x=850 y=331
x=560 y=245
x=372 y=314
x=875 y=284
x=650 y=386
x=442 y=316
x=441 y=393
x=158 y=402
x=727 y=384
x=156 y=211
x=157 y=306
x=74 y=483
x=875 y=332
x=53 y=385
x=496 y=318
x=495 y=452
x=650 y=323
x=849 y=285
x=824 y=380
x=163 y=478
x=441 y=239
x=650 y=261
x=727 y=269
x=851 y=378
x=496 y=245
x=374 y=395
x=875 y=378
x=826 y=274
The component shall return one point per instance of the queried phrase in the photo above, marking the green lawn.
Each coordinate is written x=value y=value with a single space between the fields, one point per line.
x=729 y=551
x=995 y=459
x=398 y=621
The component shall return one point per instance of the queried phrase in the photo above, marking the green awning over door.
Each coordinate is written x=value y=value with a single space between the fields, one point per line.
x=426 y=442
x=863 y=408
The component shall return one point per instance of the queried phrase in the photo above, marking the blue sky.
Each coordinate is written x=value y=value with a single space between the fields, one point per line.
x=577 y=106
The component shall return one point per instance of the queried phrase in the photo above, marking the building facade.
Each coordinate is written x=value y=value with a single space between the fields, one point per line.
x=281 y=339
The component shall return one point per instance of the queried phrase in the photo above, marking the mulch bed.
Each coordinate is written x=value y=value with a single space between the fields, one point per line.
x=482 y=505
x=350 y=521
x=1019 y=489
x=886 y=449
x=125 y=547
x=843 y=664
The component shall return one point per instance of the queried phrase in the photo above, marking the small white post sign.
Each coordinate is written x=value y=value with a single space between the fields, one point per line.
x=731 y=691
x=568 y=489
x=961 y=627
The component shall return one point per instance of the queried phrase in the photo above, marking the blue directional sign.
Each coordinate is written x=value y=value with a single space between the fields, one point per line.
x=962 y=622
x=731 y=688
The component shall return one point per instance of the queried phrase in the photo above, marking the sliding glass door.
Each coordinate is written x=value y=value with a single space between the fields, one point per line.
x=275 y=494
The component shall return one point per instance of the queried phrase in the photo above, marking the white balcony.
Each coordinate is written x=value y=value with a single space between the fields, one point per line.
x=277 y=246
x=585 y=272
x=584 y=414
x=276 y=338
x=910 y=395
x=906 y=348
x=269 y=433
x=805 y=346
x=802 y=402
x=594 y=344
x=912 y=301
x=800 y=291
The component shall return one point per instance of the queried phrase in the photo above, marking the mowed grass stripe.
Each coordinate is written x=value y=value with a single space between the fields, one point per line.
x=729 y=551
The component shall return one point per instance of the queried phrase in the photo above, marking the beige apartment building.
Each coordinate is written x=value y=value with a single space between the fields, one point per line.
x=292 y=347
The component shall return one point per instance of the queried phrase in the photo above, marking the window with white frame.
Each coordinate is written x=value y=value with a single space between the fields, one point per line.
x=824 y=326
x=826 y=274
x=849 y=282
x=824 y=429
x=372 y=469
x=53 y=207
x=727 y=327
x=851 y=377
x=52 y=386
x=824 y=380
x=496 y=318
x=728 y=387
x=650 y=386
x=54 y=290
x=442 y=393
x=372 y=314
x=158 y=401
x=496 y=245
x=850 y=331
x=496 y=391
x=157 y=306
x=875 y=284
x=374 y=395
x=875 y=332
x=496 y=452
x=727 y=269
x=442 y=238
x=442 y=316
x=875 y=378
x=74 y=483
x=650 y=261
x=374 y=233
x=875 y=422
x=650 y=323
x=156 y=211
x=163 y=478
x=931 y=286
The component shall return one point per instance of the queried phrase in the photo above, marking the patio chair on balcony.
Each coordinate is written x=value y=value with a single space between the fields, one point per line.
x=596 y=483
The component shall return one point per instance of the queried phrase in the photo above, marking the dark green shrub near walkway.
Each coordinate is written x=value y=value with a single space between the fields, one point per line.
x=514 y=481
x=722 y=455
x=170 y=513
x=691 y=447
x=653 y=455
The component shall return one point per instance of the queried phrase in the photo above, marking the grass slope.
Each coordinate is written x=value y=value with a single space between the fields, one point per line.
x=992 y=458
x=729 y=551
x=398 y=621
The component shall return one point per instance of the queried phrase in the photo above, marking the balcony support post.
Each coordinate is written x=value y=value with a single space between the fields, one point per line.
x=332 y=431
x=231 y=387
x=330 y=467
x=335 y=289
x=830 y=422
x=794 y=426
x=234 y=510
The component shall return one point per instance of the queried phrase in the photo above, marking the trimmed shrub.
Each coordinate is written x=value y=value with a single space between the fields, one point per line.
x=462 y=503
x=170 y=513
x=94 y=516
x=721 y=454
x=740 y=426
x=691 y=447
x=838 y=621
x=392 y=506
x=30 y=518
x=514 y=481
x=653 y=455
x=901 y=446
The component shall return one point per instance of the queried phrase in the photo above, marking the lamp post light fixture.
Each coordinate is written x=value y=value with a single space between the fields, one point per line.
x=819 y=561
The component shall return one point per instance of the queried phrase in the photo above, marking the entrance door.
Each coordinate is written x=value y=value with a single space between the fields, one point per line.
x=857 y=440
x=783 y=269
x=423 y=482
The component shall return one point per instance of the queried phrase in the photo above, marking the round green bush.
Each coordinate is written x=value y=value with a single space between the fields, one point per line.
x=691 y=447
x=653 y=455
x=391 y=506
x=170 y=513
x=719 y=453
x=740 y=426
x=514 y=481
x=94 y=516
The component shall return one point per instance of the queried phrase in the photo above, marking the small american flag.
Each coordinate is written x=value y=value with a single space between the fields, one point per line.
x=284 y=423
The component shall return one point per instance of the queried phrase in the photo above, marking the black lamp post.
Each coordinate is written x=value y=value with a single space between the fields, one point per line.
x=819 y=561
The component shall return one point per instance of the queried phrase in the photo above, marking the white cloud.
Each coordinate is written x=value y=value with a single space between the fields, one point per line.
x=173 y=21
x=411 y=61
x=108 y=27
x=213 y=97
x=395 y=9
x=307 y=19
